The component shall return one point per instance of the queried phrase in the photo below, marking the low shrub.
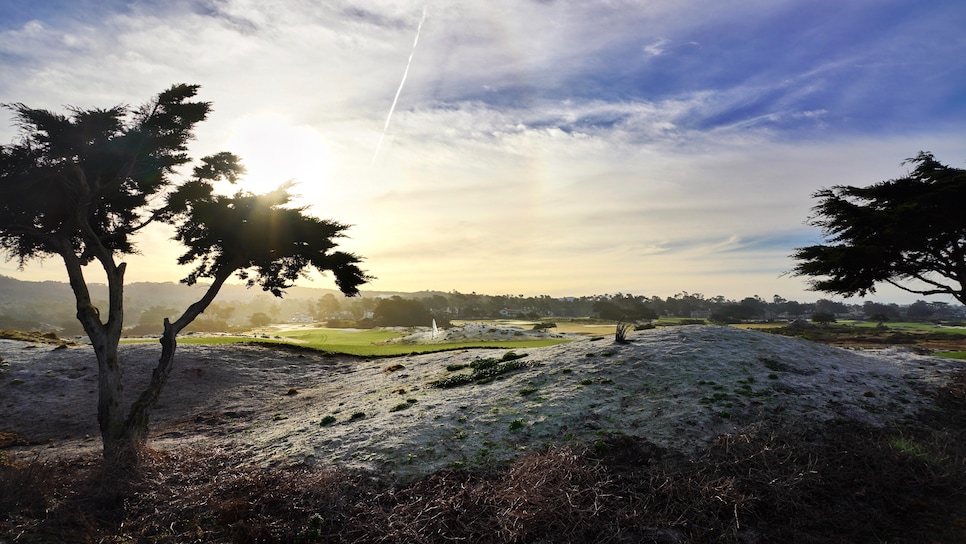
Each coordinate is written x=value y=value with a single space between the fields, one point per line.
x=484 y=370
x=841 y=483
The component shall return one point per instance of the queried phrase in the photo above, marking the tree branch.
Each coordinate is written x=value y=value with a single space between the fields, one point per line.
x=943 y=291
x=199 y=307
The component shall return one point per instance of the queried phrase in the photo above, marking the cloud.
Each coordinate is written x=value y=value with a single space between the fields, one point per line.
x=656 y=48
x=566 y=146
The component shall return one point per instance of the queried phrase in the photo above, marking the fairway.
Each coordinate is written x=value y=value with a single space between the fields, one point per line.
x=360 y=342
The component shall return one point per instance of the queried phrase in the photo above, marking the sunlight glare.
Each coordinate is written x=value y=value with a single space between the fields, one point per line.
x=274 y=150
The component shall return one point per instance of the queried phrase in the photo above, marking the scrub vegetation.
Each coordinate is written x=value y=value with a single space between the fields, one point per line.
x=845 y=483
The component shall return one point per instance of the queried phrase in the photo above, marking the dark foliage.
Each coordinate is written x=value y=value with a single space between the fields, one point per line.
x=823 y=317
x=267 y=242
x=620 y=334
x=402 y=312
x=624 y=307
x=81 y=186
x=85 y=178
x=908 y=232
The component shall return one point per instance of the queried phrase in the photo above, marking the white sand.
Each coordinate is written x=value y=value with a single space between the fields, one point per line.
x=677 y=387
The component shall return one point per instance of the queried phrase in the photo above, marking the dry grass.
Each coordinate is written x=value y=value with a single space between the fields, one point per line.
x=845 y=483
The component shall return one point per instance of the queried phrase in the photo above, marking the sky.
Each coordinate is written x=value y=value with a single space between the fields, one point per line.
x=534 y=147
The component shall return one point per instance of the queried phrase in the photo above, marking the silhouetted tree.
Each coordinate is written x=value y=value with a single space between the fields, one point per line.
x=81 y=187
x=875 y=311
x=326 y=307
x=752 y=307
x=823 y=317
x=919 y=310
x=401 y=312
x=908 y=232
x=260 y=319
x=830 y=306
x=626 y=307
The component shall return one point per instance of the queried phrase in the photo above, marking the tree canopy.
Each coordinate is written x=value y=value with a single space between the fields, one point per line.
x=908 y=232
x=401 y=312
x=80 y=186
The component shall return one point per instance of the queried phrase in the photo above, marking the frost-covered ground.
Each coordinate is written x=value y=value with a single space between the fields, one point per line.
x=678 y=387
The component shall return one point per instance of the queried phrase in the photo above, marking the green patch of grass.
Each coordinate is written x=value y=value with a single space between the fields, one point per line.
x=592 y=381
x=774 y=365
x=484 y=455
x=313 y=530
x=716 y=398
x=403 y=405
x=327 y=420
x=371 y=343
x=516 y=425
x=908 y=327
x=365 y=343
x=915 y=449
x=961 y=355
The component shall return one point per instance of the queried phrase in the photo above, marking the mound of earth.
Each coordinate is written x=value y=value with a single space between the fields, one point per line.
x=679 y=388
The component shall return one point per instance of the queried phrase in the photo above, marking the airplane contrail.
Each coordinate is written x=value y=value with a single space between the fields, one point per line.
x=399 y=90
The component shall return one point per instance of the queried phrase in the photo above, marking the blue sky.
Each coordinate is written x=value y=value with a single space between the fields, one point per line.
x=536 y=147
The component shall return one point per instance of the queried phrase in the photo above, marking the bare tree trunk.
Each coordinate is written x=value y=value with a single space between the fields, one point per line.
x=135 y=427
x=104 y=339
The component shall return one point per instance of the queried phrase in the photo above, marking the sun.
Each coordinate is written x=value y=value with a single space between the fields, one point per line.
x=273 y=151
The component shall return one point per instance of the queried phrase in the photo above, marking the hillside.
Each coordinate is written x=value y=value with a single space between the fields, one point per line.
x=686 y=434
x=678 y=387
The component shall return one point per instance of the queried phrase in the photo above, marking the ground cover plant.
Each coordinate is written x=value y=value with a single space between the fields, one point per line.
x=843 y=483
x=482 y=370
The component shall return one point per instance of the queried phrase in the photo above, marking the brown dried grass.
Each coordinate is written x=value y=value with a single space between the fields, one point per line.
x=843 y=483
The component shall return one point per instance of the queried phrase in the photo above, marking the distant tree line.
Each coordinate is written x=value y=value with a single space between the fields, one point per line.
x=419 y=309
x=415 y=310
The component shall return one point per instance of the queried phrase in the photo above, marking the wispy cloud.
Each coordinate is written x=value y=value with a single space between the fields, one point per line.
x=561 y=147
